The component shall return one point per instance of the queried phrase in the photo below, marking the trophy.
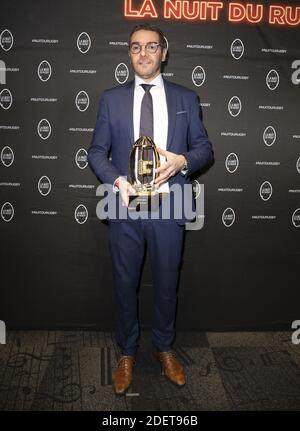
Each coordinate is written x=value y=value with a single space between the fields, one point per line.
x=143 y=160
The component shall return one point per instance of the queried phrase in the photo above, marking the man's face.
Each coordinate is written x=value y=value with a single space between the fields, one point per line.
x=147 y=66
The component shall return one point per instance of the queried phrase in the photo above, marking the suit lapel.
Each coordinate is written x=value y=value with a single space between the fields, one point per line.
x=128 y=110
x=171 y=105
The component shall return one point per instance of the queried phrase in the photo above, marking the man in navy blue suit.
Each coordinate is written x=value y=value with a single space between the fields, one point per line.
x=171 y=115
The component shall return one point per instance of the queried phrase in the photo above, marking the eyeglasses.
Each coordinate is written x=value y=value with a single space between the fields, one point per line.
x=150 y=47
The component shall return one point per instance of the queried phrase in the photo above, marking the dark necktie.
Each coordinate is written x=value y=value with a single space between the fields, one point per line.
x=146 y=120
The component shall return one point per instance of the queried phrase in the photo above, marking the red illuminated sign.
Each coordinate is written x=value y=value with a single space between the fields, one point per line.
x=237 y=12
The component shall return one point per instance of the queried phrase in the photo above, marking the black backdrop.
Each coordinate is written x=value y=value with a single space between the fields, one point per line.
x=240 y=268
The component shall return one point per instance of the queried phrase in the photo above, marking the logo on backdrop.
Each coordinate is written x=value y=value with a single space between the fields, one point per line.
x=237 y=49
x=81 y=214
x=167 y=43
x=228 y=217
x=232 y=162
x=196 y=189
x=7 y=211
x=81 y=158
x=269 y=136
x=7 y=156
x=121 y=73
x=234 y=106
x=298 y=165
x=82 y=101
x=44 y=70
x=296 y=218
x=5 y=99
x=6 y=40
x=44 y=129
x=44 y=185
x=198 y=76
x=84 y=42
x=265 y=191
x=272 y=79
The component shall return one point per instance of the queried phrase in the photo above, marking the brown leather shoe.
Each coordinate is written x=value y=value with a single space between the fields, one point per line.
x=171 y=368
x=122 y=377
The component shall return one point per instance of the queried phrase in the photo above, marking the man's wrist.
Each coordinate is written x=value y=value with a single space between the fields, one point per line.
x=185 y=165
x=184 y=168
x=116 y=185
x=119 y=179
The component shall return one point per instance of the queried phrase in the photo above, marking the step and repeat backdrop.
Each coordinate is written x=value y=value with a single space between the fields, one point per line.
x=241 y=258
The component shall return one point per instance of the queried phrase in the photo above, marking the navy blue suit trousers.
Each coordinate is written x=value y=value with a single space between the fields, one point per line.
x=127 y=242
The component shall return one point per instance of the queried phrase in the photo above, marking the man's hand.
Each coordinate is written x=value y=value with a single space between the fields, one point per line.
x=126 y=190
x=174 y=163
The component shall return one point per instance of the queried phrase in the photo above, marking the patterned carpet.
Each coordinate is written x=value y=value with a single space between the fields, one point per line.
x=71 y=370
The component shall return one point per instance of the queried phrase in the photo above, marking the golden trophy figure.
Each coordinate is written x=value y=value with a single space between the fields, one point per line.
x=143 y=160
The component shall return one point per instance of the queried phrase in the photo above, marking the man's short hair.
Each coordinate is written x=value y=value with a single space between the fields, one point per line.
x=149 y=27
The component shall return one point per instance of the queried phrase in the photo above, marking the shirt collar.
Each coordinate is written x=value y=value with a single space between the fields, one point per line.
x=158 y=81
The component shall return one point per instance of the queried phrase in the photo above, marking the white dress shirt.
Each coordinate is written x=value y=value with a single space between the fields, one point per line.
x=160 y=115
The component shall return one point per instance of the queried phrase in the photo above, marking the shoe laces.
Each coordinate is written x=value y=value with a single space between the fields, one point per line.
x=126 y=362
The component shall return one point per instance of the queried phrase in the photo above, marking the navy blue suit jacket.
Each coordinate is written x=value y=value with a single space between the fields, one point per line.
x=114 y=132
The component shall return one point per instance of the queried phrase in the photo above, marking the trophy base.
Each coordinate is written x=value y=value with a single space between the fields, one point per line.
x=144 y=202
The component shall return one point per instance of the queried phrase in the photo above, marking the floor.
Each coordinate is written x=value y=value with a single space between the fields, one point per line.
x=71 y=370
